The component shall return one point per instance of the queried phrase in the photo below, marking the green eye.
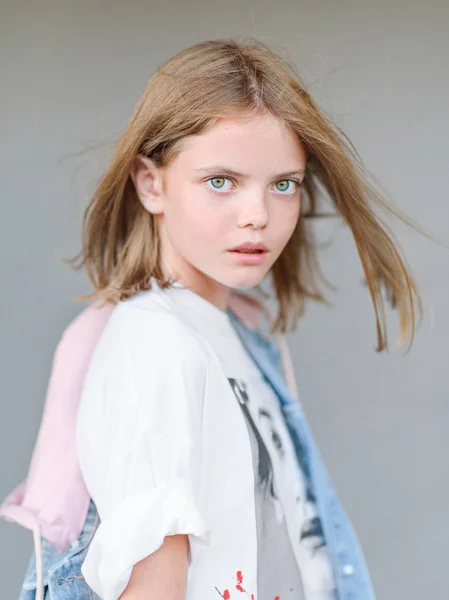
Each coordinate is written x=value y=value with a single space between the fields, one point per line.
x=283 y=185
x=219 y=185
x=218 y=182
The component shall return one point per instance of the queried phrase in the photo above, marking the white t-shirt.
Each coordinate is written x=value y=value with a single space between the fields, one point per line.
x=178 y=433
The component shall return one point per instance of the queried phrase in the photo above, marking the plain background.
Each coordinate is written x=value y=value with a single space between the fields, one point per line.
x=70 y=74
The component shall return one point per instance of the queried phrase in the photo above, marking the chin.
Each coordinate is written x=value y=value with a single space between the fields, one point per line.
x=245 y=280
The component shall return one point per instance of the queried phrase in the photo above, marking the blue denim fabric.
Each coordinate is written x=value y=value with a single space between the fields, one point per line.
x=62 y=572
x=350 y=571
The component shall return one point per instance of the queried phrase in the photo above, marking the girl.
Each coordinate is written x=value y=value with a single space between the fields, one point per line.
x=196 y=456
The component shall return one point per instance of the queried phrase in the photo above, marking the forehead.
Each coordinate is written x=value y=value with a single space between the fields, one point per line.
x=256 y=142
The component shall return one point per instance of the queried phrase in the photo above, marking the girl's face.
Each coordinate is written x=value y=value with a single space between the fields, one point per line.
x=238 y=183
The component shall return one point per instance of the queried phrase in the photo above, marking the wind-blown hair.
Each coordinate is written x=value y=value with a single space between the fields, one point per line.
x=188 y=93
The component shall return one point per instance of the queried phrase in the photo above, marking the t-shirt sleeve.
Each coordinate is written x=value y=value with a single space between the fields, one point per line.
x=139 y=438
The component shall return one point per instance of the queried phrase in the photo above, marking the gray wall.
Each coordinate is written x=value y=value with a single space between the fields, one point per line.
x=70 y=74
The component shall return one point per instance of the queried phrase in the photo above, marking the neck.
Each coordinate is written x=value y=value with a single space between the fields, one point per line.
x=212 y=291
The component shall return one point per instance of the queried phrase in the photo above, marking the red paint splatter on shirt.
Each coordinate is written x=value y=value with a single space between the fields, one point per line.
x=277 y=598
x=239 y=588
x=226 y=595
x=239 y=576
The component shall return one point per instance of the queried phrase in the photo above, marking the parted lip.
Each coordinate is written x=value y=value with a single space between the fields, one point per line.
x=249 y=247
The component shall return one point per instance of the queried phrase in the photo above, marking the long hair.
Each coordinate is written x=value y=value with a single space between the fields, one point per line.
x=188 y=93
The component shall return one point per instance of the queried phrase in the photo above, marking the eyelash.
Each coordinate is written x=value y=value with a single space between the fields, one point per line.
x=216 y=191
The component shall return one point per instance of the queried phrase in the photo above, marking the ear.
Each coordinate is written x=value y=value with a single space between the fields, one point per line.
x=148 y=183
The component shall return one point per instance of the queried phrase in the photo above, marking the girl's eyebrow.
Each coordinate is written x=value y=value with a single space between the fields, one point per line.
x=214 y=169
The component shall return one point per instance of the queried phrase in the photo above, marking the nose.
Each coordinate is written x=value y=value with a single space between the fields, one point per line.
x=253 y=212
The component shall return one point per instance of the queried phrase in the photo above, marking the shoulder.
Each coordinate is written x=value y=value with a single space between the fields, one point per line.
x=85 y=329
x=76 y=345
x=143 y=336
x=147 y=368
x=87 y=326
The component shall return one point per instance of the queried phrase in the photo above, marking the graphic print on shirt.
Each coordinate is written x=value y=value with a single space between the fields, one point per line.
x=292 y=561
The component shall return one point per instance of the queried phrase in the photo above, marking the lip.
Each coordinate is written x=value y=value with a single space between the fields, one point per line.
x=248 y=246
x=249 y=253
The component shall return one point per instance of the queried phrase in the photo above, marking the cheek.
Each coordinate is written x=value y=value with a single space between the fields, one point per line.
x=196 y=220
x=284 y=220
x=212 y=220
x=209 y=221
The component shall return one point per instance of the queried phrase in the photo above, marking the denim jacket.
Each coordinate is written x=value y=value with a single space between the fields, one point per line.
x=62 y=571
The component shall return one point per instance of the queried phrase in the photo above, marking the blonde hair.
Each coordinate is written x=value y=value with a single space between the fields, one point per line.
x=188 y=93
